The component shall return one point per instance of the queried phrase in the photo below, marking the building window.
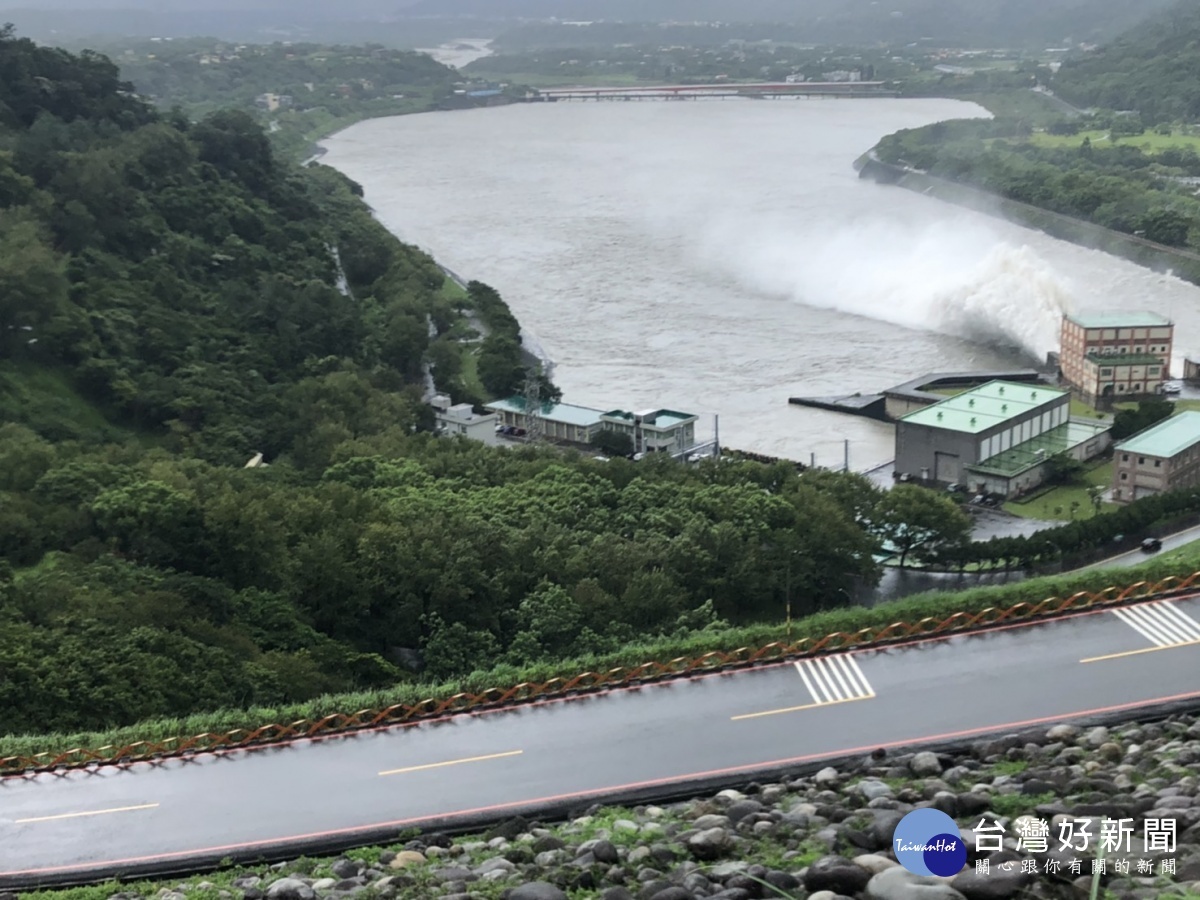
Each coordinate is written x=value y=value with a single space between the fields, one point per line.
x=1136 y=388
x=1124 y=457
x=1158 y=464
x=1106 y=373
x=1124 y=476
x=1141 y=460
x=1153 y=370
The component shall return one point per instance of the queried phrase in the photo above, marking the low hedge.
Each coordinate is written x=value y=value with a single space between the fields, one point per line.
x=939 y=604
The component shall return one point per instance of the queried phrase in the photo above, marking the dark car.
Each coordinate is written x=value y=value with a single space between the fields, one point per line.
x=1151 y=545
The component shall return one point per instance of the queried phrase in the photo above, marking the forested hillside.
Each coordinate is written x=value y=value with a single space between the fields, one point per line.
x=1153 y=69
x=173 y=301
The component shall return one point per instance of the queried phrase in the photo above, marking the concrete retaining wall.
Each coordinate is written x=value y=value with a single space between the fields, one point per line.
x=1183 y=263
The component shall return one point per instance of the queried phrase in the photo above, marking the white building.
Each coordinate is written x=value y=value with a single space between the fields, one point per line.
x=461 y=419
x=654 y=431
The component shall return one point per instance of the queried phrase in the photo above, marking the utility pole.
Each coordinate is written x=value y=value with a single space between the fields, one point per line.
x=788 y=595
x=846 y=465
x=534 y=424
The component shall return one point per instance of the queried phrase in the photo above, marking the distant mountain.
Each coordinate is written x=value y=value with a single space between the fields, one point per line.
x=421 y=22
x=1154 y=68
x=993 y=22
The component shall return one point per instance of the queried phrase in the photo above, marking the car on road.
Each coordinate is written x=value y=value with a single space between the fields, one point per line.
x=1151 y=545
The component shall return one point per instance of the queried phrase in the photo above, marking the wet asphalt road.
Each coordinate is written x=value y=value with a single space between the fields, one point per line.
x=55 y=826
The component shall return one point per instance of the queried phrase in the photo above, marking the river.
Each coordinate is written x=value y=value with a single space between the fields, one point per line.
x=719 y=257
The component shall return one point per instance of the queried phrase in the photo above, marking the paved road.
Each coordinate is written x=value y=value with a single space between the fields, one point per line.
x=1135 y=557
x=74 y=825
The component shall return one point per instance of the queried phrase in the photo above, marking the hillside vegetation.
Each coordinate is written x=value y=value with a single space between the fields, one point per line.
x=174 y=300
x=1154 y=69
x=1128 y=163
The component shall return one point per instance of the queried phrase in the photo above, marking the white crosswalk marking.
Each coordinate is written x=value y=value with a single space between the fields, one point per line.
x=1162 y=623
x=834 y=679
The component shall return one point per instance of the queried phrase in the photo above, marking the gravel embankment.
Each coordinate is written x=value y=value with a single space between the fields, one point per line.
x=825 y=837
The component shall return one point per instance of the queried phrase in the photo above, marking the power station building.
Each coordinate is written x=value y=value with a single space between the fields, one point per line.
x=1164 y=457
x=1107 y=356
x=994 y=439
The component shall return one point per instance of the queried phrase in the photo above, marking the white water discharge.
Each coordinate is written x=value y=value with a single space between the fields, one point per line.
x=719 y=257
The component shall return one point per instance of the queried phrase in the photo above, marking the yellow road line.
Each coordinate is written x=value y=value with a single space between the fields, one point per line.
x=791 y=709
x=452 y=762
x=79 y=815
x=1139 y=652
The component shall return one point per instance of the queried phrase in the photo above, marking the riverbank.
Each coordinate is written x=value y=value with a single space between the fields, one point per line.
x=1184 y=264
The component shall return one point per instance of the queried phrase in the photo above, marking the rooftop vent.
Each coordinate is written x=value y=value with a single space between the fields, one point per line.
x=1003 y=407
x=939 y=417
x=1002 y=392
x=1033 y=395
x=971 y=402
x=972 y=420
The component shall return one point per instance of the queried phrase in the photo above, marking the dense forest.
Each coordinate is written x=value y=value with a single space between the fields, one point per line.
x=174 y=300
x=1128 y=164
x=200 y=70
x=1114 y=184
x=1153 y=69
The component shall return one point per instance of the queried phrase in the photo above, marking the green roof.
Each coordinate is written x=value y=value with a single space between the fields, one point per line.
x=1117 y=319
x=1168 y=438
x=984 y=407
x=1025 y=456
x=553 y=412
x=1125 y=359
x=659 y=418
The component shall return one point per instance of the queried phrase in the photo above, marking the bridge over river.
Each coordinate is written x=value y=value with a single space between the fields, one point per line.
x=760 y=90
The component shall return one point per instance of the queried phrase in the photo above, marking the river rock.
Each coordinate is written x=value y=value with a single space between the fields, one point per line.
x=925 y=764
x=606 y=852
x=290 y=889
x=537 y=890
x=709 y=844
x=998 y=884
x=900 y=884
x=674 y=892
x=872 y=789
x=835 y=873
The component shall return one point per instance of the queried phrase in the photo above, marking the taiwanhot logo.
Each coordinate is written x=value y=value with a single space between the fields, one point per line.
x=927 y=842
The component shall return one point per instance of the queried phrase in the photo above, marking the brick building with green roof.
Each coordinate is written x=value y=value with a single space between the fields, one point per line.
x=1107 y=356
x=1164 y=457
x=995 y=438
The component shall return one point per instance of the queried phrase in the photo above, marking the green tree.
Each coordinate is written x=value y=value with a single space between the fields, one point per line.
x=614 y=443
x=453 y=650
x=1063 y=468
x=33 y=285
x=919 y=522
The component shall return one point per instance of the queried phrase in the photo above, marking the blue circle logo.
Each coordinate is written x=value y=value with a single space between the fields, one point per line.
x=927 y=842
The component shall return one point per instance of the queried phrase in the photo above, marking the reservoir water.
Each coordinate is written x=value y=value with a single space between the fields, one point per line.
x=719 y=257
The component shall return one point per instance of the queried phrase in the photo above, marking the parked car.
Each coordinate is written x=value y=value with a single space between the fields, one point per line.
x=1172 y=387
x=1151 y=545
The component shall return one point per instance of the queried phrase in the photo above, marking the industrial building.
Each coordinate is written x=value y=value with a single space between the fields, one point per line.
x=1107 y=356
x=656 y=430
x=652 y=431
x=559 y=421
x=1164 y=457
x=461 y=419
x=994 y=439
